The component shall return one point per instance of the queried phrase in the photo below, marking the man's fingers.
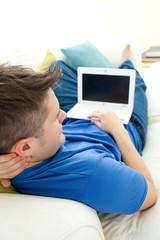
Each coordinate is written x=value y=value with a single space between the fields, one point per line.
x=13 y=166
x=19 y=170
x=96 y=122
x=6 y=167
x=98 y=114
x=95 y=116
x=5 y=182
x=7 y=157
x=14 y=171
x=10 y=166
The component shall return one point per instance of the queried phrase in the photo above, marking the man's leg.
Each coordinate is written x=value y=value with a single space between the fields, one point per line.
x=139 y=116
x=67 y=94
x=66 y=91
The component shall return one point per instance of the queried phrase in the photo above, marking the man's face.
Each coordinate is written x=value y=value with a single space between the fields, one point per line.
x=52 y=137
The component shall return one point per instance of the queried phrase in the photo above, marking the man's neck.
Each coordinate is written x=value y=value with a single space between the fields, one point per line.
x=31 y=164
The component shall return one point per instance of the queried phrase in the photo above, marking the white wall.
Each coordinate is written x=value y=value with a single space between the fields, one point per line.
x=37 y=23
x=140 y=18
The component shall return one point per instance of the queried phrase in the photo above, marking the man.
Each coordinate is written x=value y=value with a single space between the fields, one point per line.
x=99 y=164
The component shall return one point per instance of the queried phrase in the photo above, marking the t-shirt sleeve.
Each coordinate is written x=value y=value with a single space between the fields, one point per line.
x=115 y=188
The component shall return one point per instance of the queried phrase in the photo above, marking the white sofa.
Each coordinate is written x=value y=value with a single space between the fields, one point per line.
x=26 y=217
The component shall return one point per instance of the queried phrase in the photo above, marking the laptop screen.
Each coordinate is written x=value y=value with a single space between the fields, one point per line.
x=105 y=88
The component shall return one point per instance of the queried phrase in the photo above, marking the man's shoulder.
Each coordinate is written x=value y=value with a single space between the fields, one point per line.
x=78 y=156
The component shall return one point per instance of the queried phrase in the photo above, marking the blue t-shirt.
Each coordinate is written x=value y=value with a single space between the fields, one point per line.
x=88 y=168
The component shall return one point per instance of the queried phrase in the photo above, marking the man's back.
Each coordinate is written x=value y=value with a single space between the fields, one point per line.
x=87 y=168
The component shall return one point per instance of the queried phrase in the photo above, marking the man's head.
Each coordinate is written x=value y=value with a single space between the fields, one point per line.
x=28 y=112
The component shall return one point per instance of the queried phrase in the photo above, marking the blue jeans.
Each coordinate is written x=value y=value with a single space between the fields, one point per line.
x=67 y=96
x=139 y=118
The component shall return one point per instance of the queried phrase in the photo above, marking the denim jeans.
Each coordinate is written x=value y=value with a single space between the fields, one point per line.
x=139 y=117
x=67 y=96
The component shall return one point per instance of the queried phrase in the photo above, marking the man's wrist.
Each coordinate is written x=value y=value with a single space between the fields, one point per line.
x=119 y=133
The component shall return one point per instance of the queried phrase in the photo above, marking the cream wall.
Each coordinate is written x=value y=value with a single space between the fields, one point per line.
x=37 y=23
x=140 y=18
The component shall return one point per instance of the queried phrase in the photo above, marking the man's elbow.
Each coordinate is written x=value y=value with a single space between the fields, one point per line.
x=151 y=204
x=151 y=197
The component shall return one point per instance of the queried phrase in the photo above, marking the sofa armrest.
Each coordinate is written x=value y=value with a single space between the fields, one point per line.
x=152 y=78
x=26 y=217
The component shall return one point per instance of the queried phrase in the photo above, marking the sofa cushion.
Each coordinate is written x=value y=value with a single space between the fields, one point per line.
x=46 y=218
x=50 y=57
x=10 y=189
x=85 y=55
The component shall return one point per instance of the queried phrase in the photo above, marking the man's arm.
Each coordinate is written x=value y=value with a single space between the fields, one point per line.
x=10 y=166
x=110 y=123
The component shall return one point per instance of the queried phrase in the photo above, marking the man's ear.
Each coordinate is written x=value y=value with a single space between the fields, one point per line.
x=23 y=148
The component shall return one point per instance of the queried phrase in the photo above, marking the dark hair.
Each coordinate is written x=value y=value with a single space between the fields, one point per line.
x=23 y=102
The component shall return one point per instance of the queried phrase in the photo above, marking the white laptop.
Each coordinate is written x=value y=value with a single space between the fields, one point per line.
x=108 y=88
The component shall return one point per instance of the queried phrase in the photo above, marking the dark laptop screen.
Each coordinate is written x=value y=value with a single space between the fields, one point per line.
x=105 y=88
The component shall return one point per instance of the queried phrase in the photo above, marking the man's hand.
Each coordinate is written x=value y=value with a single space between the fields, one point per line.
x=10 y=166
x=107 y=121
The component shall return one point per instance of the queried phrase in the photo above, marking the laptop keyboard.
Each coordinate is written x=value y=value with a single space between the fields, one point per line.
x=83 y=112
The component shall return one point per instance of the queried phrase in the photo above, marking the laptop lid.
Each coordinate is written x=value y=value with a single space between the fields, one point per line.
x=108 y=86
